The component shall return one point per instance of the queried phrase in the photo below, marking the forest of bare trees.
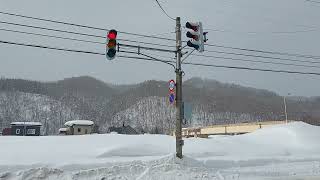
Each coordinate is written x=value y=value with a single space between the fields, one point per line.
x=143 y=106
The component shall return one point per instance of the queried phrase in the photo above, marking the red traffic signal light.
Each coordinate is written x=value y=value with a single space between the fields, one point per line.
x=111 y=44
x=112 y=34
x=193 y=26
x=197 y=36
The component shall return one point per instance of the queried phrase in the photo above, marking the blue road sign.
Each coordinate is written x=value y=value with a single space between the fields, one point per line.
x=171 y=98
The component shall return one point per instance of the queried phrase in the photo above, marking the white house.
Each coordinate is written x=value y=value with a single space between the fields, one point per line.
x=79 y=127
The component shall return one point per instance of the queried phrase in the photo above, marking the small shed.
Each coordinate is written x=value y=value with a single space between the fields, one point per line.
x=25 y=128
x=79 y=127
x=123 y=130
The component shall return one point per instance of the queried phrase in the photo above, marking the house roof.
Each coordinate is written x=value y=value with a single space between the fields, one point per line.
x=26 y=123
x=79 y=122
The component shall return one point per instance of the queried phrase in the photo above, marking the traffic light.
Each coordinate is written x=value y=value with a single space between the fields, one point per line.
x=111 y=44
x=197 y=35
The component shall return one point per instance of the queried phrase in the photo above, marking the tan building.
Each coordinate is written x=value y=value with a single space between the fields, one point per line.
x=228 y=129
x=79 y=127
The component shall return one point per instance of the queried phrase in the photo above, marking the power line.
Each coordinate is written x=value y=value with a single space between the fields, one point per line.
x=264 y=57
x=51 y=36
x=148 y=59
x=141 y=42
x=74 y=39
x=253 y=69
x=147 y=48
x=162 y=38
x=83 y=26
x=48 y=47
x=266 y=52
x=80 y=40
x=51 y=29
x=313 y=1
x=81 y=34
x=164 y=10
x=256 y=61
x=80 y=51
x=257 y=32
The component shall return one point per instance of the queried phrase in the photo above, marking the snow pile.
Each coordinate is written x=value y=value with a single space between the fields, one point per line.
x=79 y=122
x=26 y=123
x=295 y=139
x=280 y=151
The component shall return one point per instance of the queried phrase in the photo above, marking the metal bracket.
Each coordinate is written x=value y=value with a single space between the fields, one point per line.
x=205 y=36
x=184 y=47
x=182 y=54
x=187 y=56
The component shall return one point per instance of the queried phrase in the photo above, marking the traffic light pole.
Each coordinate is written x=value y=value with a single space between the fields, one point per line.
x=179 y=141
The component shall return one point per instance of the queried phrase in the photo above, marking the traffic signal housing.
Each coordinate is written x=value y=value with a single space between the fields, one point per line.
x=111 y=44
x=196 y=34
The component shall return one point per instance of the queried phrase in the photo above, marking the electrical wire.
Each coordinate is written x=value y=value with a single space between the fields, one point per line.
x=162 y=38
x=76 y=33
x=59 y=37
x=313 y=1
x=264 y=57
x=52 y=48
x=83 y=26
x=76 y=51
x=257 y=32
x=164 y=10
x=266 y=52
x=194 y=64
x=253 y=69
x=50 y=36
x=50 y=29
x=256 y=61
x=44 y=35
x=81 y=34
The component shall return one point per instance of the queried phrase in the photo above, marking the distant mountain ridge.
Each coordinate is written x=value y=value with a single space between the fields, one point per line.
x=212 y=102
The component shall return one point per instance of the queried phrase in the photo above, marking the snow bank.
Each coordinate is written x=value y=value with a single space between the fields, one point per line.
x=294 y=140
x=278 y=151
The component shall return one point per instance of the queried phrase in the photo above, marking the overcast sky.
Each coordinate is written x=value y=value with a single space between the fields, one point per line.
x=291 y=26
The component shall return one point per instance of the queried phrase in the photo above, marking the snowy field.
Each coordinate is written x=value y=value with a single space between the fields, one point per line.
x=282 y=152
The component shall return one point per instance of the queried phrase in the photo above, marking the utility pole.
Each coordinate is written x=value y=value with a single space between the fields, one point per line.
x=285 y=108
x=179 y=141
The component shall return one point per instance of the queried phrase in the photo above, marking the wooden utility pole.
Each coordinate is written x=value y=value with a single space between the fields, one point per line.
x=179 y=141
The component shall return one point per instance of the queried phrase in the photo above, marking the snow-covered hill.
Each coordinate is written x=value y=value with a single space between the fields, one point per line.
x=280 y=152
x=19 y=106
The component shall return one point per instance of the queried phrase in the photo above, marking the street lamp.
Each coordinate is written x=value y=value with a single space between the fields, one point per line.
x=285 y=107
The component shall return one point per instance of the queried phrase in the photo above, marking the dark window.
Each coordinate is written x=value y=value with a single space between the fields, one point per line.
x=31 y=131
x=86 y=131
x=79 y=129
